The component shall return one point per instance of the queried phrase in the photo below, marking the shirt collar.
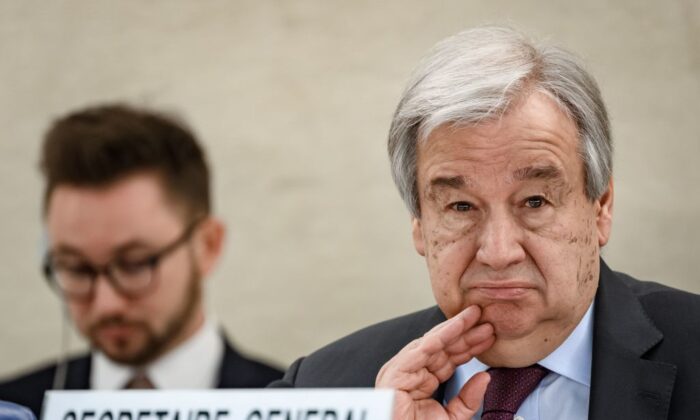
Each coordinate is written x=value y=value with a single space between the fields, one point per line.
x=193 y=364
x=573 y=357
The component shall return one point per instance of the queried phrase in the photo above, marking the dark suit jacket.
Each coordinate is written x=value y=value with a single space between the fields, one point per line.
x=236 y=371
x=646 y=352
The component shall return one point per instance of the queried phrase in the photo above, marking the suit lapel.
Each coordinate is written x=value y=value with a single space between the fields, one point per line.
x=229 y=364
x=624 y=385
x=78 y=373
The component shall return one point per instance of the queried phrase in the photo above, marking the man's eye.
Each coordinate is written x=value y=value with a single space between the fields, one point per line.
x=133 y=267
x=535 y=202
x=461 y=206
x=75 y=270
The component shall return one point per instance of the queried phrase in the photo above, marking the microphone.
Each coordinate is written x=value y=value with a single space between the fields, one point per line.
x=10 y=410
x=59 y=376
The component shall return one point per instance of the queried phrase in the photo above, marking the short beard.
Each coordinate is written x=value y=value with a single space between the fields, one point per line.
x=156 y=344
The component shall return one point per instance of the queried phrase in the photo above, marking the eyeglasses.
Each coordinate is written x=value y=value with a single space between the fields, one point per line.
x=76 y=281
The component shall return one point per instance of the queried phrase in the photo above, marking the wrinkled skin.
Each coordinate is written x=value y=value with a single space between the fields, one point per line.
x=506 y=225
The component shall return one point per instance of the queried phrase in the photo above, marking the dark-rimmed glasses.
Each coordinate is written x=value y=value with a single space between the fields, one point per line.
x=130 y=278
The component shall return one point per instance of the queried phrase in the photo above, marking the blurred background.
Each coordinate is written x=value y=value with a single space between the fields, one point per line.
x=292 y=100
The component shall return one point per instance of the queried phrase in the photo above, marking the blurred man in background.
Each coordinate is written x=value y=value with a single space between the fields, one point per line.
x=131 y=240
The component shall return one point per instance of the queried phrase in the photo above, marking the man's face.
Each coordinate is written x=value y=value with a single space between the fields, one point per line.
x=505 y=224
x=127 y=221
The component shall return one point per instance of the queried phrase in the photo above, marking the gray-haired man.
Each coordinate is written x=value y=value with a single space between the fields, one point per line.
x=501 y=150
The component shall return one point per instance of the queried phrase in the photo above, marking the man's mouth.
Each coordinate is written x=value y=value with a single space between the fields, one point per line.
x=112 y=331
x=503 y=290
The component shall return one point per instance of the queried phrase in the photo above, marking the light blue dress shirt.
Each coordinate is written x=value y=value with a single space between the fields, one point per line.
x=564 y=392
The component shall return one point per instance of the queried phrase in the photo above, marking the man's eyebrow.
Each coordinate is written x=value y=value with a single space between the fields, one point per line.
x=134 y=245
x=65 y=251
x=538 y=172
x=449 y=181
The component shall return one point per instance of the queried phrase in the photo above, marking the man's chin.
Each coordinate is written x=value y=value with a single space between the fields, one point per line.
x=515 y=331
x=508 y=321
x=136 y=350
x=132 y=357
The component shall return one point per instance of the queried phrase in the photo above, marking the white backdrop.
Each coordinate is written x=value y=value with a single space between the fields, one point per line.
x=293 y=100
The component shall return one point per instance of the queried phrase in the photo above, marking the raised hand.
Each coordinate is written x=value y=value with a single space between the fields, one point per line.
x=420 y=367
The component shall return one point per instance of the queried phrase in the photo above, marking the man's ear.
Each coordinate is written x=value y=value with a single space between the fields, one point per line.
x=210 y=244
x=417 y=232
x=604 y=216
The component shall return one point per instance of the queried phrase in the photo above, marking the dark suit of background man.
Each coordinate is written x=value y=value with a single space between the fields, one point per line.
x=131 y=241
x=501 y=149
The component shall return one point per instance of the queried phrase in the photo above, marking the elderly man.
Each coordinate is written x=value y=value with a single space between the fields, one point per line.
x=501 y=150
x=131 y=241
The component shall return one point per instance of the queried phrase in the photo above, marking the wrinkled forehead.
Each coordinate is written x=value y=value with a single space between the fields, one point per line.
x=525 y=107
x=534 y=140
x=536 y=116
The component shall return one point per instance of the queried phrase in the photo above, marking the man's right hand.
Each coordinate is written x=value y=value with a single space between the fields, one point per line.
x=419 y=368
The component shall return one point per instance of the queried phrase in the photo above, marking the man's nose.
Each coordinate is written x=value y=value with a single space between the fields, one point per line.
x=500 y=242
x=106 y=300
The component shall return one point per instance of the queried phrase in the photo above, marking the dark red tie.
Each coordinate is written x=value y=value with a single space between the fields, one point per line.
x=508 y=389
x=139 y=381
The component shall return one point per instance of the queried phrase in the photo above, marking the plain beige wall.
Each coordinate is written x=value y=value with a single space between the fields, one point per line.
x=293 y=100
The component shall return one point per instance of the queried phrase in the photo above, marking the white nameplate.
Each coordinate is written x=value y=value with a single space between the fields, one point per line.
x=245 y=404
